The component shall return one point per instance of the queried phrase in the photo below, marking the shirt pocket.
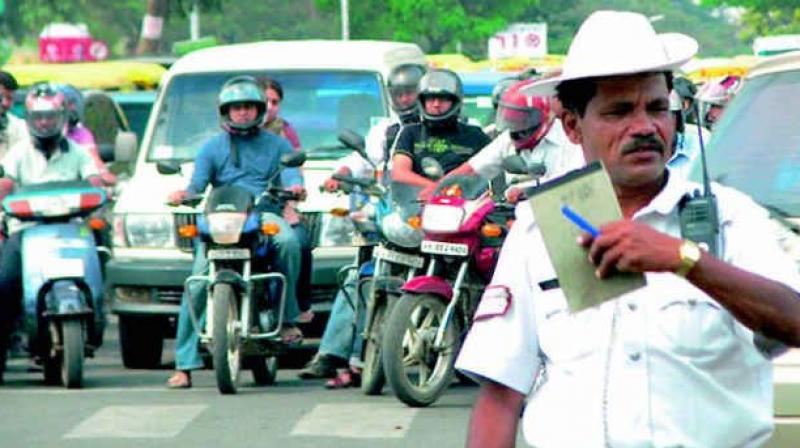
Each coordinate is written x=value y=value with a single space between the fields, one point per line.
x=692 y=325
x=565 y=336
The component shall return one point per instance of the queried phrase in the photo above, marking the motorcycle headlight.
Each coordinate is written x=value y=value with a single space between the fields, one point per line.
x=442 y=218
x=226 y=228
x=397 y=230
x=149 y=230
x=336 y=231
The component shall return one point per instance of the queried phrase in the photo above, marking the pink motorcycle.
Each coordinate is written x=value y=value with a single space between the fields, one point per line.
x=464 y=229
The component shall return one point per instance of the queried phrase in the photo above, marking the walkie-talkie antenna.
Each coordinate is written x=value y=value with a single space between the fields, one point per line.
x=704 y=165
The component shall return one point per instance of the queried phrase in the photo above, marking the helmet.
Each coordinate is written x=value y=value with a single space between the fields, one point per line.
x=241 y=89
x=686 y=91
x=717 y=93
x=500 y=88
x=73 y=101
x=405 y=79
x=441 y=83
x=527 y=118
x=45 y=111
x=676 y=107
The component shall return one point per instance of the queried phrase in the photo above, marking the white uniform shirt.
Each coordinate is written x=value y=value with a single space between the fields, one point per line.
x=682 y=370
x=27 y=165
x=16 y=131
x=374 y=144
x=558 y=153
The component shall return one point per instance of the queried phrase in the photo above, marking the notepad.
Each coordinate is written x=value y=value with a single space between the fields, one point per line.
x=589 y=193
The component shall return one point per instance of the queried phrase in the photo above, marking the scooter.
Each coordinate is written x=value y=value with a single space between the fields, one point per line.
x=237 y=330
x=464 y=230
x=395 y=259
x=61 y=274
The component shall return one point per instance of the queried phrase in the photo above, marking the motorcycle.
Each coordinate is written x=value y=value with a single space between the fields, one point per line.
x=395 y=259
x=237 y=330
x=464 y=229
x=62 y=284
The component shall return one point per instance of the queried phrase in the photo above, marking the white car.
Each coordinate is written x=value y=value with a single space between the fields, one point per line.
x=328 y=86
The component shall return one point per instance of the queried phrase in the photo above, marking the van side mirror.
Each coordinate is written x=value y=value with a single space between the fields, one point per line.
x=168 y=167
x=294 y=160
x=125 y=146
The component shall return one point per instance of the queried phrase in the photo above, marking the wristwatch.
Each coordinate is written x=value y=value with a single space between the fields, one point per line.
x=690 y=254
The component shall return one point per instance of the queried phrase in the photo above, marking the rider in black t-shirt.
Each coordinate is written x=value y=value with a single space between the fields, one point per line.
x=441 y=135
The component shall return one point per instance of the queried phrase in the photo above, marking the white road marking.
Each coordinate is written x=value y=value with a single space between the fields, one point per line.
x=130 y=422
x=356 y=421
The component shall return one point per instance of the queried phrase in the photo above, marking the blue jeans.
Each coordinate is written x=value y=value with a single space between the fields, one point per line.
x=343 y=336
x=286 y=252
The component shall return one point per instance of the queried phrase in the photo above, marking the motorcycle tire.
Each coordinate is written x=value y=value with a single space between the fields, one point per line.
x=73 y=353
x=373 y=377
x=408 y=339
x=226 y=346
x=264 y=369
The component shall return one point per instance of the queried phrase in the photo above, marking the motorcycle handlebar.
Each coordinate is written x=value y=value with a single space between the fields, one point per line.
x=353 y=180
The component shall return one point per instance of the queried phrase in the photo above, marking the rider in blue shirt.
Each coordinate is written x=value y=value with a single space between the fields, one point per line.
x=246 y=156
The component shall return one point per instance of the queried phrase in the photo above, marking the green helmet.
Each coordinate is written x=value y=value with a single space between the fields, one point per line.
x=241 y=89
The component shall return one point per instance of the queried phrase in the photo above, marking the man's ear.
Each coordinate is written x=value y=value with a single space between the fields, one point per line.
x=572 y=126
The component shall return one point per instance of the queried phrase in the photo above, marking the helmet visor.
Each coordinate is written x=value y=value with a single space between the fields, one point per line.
x=403 y=97
x=45 y=123
x=518 y=119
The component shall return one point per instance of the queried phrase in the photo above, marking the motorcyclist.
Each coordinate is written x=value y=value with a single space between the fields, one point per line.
x=247 y=156
x=12 y=129
x=498 y=90
x=530 y=129
x=686 y=144
x=686 y=91
x=714 y=96
x=440 y=136
x=44 y=157
x=80 y=134
x=341 y=342
x=403 y=85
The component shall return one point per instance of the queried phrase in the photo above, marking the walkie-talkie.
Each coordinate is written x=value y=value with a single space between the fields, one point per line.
x=698 y=214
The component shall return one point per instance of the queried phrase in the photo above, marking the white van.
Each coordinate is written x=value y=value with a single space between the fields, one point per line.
x=328 y=86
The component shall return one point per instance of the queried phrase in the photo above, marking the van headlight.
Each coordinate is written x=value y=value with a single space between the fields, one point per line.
x=150 y=230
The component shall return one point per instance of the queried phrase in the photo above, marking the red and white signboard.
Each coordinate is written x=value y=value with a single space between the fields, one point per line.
x=519 y=40
x=69 y=42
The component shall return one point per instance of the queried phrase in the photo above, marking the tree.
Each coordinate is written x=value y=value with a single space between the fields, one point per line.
x=765 y=17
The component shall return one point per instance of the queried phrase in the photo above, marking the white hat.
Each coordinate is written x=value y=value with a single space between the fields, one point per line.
x=611 y=43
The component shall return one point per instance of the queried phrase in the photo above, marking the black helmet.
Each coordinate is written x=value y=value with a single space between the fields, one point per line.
x=242 y=89
x=404 y=79
x=441 y=83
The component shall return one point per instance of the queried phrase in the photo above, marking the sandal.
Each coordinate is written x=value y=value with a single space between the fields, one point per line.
x=345 y=379
x=181 y=379
x=291 y=335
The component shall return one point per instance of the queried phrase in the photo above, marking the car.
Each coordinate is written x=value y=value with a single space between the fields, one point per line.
x=754 y=148
x=478 y=88
x=328 y=86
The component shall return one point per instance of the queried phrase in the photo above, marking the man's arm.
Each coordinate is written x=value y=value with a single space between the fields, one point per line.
x=493 y=423
x=203 y=168
x=763 y=305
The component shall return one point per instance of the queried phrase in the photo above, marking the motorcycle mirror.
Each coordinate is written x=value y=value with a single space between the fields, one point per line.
x=432 y=168
x=293 y=160
x=515 y=164
x=537 y=169
x=168 y=167
x=355 y=141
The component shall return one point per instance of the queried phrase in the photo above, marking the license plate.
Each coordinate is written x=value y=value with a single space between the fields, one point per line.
x=67 y=268
x=440 y=248
x=228 y=254
x=392 y=256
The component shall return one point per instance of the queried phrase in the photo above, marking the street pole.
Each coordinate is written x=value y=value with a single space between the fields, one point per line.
x=345 y=19
x=194 y=22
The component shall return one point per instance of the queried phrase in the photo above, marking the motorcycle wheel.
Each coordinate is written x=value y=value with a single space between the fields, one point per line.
x=373 y=377
x=417 y=372
x=264 y=369
x=73 y=353
x=225 y=343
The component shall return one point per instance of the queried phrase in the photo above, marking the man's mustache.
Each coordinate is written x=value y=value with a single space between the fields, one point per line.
x=646 y=143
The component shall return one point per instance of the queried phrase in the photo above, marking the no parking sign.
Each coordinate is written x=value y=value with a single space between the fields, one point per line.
x=519 y=40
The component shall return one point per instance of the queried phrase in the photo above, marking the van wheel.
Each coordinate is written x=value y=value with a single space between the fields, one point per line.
x=141 y=342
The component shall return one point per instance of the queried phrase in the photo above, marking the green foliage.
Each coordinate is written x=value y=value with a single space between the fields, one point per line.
x=765 y=17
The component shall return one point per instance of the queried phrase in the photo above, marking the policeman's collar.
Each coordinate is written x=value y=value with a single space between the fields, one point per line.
x=668 y=198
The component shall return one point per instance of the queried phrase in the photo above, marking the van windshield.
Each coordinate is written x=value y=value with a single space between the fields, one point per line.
x=318 y=104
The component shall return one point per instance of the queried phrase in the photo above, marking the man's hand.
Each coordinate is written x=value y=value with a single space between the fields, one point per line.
x=628 y=246
x=427 y=192
x=299 y=190
x=176 y=197
x=331 y=185
x=513 y=195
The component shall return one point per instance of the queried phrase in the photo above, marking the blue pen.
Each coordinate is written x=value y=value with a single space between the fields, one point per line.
x=579 y=221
